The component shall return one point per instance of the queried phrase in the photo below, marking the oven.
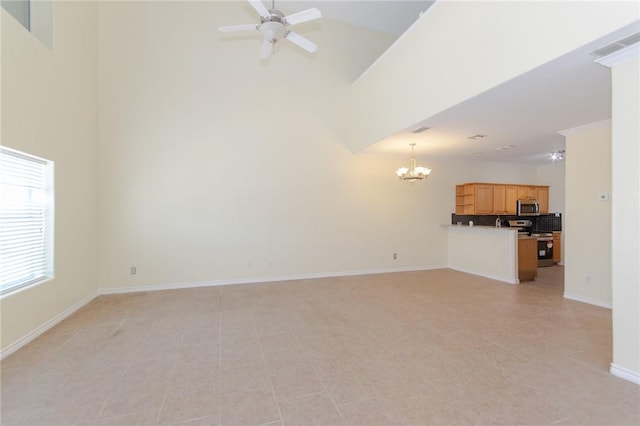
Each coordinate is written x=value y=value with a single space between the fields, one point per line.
x=545 y=248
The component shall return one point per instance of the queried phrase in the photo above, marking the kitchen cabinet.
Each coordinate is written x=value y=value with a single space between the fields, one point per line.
x=510 y=199
x=484 y=199
x=557 y=246
x=526 y=192
x=527 y=258
x=497 y=198
x=465 y=199
x=542 y=195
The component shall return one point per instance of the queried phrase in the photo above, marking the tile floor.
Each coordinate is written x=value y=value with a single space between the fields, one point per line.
x=418 y=348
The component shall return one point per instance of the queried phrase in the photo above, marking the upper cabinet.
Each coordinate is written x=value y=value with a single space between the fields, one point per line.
x=542 y=195
x=498 y=198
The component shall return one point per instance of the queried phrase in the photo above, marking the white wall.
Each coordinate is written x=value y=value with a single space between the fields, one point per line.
x=216 y=167
x=49 y=109
x=626 y=218
x=553 y=174
x=217 y=170
x=587 y=222
x=486 y=251
x=459 y=49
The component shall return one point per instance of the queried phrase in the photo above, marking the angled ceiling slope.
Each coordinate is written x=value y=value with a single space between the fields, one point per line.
x=521 y=118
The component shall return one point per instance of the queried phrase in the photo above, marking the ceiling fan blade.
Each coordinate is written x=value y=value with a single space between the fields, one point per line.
x=259 y=7
x=304 y=43
x=266 y=49
x=304 y=16
x=234 y=28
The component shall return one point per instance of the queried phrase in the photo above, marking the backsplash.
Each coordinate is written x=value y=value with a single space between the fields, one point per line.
x=542 y=223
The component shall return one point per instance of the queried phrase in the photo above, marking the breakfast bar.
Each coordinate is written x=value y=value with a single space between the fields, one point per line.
x=487 y=251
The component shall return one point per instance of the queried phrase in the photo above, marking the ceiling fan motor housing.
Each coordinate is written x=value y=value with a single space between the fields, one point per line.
x=273 y=26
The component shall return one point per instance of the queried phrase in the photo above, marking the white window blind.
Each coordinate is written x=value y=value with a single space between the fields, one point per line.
x=26 y=220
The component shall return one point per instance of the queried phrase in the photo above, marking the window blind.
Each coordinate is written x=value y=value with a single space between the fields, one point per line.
x=26 y=213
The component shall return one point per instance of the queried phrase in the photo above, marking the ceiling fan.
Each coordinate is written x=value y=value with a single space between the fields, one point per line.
x=274 y=26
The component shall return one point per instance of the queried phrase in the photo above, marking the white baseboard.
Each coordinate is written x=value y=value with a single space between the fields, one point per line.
x=507 y=280
x=587 y=299
x=623 y=373
x=46 y=326
x=256 y=280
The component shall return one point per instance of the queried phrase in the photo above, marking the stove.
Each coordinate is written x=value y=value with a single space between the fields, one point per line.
x=545 y=248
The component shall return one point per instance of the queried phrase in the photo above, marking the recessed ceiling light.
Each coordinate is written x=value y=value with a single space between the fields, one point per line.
x=477 y=137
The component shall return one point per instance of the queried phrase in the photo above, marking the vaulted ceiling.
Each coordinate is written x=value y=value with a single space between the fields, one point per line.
x=520 y=118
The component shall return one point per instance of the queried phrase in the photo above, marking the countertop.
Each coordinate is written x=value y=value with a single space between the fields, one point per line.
x=463 y=226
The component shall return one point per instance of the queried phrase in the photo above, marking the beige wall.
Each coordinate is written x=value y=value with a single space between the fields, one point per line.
x=49 y=109
x=553 y=174
x=588 y=217
x=626 y=217
x=459 y=49
x=215 y=170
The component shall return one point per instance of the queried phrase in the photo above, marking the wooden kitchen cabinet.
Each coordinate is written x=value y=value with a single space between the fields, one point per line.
x=484 y=199
x=510 y=199
x=465 y=199
x=557 y=246
x=542 y=195
x=527 y=258
x=527 y=192
x=497 y=198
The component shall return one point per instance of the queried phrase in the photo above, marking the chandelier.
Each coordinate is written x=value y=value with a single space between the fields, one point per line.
x=412 y=173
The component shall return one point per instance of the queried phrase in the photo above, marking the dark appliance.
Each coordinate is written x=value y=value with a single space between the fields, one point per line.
x=521 y=225
x=528 y=208
x=545 y=248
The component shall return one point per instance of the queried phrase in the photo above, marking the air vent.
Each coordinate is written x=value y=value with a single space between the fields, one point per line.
x=420 y=129
x=617 y=45
x=474 y=137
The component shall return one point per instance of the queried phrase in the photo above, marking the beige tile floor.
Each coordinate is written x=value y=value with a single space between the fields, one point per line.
x=417 y=348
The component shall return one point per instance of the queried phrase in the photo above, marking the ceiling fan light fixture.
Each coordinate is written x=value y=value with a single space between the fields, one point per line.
x=272 y=31
x=274 y=26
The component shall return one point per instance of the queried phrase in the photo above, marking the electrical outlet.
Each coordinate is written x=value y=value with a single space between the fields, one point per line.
x=395 y=256
x=133 y=270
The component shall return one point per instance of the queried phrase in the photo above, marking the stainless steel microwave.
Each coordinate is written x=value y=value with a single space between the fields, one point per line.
x=528 y=208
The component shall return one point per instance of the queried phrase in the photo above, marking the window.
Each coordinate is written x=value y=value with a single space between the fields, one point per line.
x=19 y=9
x=35 y=16
x=26 y=220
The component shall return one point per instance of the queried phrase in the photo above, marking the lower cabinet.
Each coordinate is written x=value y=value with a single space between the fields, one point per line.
x=557 y=246
x=527 y=258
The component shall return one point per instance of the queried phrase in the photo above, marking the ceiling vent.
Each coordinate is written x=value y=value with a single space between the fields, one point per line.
x=616 y=45
x=420 y=129
x=474 y=137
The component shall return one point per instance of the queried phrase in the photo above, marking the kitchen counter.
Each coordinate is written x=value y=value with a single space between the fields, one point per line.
x=494 y=228
x=484 y=250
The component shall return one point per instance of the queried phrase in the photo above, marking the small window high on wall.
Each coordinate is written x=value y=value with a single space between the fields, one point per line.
x=35 y=15
x=26 y=220
x=19 y=9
